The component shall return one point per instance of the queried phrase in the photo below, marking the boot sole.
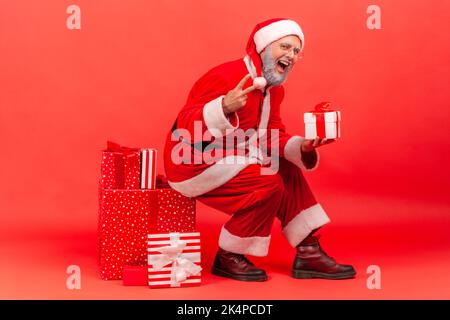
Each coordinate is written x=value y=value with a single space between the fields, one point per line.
x=225 y=274
x=301 y=274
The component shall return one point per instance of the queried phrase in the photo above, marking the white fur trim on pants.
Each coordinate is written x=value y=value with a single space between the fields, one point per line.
x=292 y=152
x=303 y=223
x=254 y=246
x=215 y=119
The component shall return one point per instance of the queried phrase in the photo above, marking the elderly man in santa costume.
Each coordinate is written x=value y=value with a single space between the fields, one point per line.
x=246 y=94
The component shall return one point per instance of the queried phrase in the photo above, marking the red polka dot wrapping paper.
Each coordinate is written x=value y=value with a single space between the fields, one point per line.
x=126 y=217
x=120 y=170
x=176 y=213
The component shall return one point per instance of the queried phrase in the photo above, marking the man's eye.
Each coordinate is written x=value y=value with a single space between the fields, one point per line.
x=296 y=51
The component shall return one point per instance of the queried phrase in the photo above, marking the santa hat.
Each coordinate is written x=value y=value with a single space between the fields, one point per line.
x=267 y=32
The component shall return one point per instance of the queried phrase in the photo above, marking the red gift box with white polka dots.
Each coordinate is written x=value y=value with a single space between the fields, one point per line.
x=121 y=169
x=126 y=217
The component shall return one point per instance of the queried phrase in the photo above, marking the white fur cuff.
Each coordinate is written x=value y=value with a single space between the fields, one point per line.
x=303 y=223
x=254 y=246
x=292 y=152
x=215 y=119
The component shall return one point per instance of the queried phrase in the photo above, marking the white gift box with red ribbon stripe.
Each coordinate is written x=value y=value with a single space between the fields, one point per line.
x=148 y=168
x=322 y=122
x=174 y=260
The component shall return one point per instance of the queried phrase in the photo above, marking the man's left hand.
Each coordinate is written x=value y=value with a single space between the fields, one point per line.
x=310 y=145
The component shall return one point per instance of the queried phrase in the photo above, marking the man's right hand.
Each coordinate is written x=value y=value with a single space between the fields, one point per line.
x=237 y=98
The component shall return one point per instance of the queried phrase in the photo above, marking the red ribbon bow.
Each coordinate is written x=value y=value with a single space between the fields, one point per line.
x=323 y=107
x=115 y=147
x=319 y=112
x=125 y=161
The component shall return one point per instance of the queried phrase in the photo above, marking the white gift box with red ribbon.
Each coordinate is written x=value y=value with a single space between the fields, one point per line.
x=323 y=122
x=148 y=168
x=174 y=260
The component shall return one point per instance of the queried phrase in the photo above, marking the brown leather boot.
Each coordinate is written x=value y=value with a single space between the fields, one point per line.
x=237 y=267
x=312 y=262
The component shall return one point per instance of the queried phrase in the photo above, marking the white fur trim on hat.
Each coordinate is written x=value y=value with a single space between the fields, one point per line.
x=277 y=30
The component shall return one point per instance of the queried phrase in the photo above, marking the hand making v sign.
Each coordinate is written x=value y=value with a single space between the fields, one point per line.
x=236 y=98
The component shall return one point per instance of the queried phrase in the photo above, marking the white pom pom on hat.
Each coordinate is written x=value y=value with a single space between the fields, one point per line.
x=259 y=83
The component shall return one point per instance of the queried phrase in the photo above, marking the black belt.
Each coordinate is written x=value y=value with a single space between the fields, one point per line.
x=201 y=145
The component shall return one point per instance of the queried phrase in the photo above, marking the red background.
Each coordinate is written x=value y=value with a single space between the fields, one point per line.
x=127 y=72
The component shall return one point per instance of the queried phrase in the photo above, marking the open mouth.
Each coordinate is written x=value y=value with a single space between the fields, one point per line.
x=282 y=66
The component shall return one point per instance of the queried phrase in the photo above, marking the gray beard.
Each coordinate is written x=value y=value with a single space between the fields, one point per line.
x=268 y=68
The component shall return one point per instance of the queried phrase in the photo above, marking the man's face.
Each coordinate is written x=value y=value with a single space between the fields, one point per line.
x=279 y=58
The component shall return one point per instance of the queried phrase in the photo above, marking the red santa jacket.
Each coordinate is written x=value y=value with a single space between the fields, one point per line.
x=192 y=162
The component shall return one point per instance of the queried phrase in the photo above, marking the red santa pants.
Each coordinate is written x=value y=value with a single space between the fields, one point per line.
x=254 y=200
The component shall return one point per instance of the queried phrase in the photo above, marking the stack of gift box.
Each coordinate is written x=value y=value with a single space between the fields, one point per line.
x=146 y=230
